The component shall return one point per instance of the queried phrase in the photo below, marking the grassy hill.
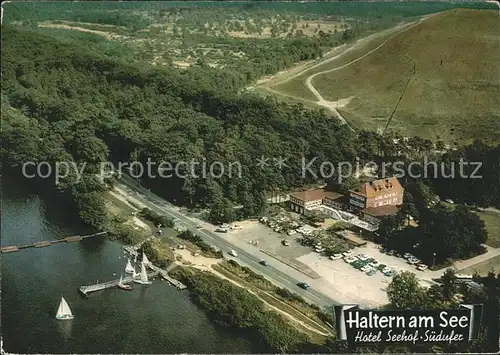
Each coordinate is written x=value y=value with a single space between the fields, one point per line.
x=455 y=91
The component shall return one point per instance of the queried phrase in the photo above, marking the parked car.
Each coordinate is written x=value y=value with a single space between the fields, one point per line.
x=221 y=230
x=391 y=252
x=303 y=285
x=422 y=267
x=291 y=232
x=224 y=226
x=347 y=253
x=374 y=264
x=335 y=256
x=371 y=272
x=350 y=259
x=389 y=273
x=408 y=255
x=386 y=270
x=232 y=252
x=285 y=242
x=363 y=257
x=263 y=262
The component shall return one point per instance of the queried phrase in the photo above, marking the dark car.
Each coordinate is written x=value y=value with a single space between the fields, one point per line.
x=263 y=262
x=303 y=285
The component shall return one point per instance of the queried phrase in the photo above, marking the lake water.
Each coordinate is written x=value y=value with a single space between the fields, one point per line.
x=156 y=318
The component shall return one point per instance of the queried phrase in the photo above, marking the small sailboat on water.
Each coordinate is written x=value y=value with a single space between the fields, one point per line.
x=129 y=269
x=124 y=286
x=145 y=260
x=143 y=276
x=64 y=312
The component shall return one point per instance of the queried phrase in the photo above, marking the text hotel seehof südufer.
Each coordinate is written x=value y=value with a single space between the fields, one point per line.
x=201 y=168
x=364 y=327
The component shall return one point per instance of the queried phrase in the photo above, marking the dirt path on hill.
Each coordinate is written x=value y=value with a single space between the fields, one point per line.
x=333 y=105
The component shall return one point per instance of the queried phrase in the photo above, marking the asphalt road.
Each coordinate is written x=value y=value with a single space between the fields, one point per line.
x=244 y=258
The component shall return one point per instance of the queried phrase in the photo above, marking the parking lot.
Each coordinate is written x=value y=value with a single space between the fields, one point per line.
x=271 y=241
x=336 y=278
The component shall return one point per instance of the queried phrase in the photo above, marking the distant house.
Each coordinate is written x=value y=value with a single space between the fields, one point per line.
x=372 y=201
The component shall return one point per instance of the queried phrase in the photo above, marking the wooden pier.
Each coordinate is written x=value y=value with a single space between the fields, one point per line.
x=47 y=243
x=85 y=290
x=132 y=250
x=166 y=276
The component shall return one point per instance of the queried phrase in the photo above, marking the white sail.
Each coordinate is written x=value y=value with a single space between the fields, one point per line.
x=121 y=280
x=134 y=273
x=129 y=269
x=144 y=274
x=145 y=260
x=64 y=312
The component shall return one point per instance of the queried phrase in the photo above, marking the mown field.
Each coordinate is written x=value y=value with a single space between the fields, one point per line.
x=454 y=92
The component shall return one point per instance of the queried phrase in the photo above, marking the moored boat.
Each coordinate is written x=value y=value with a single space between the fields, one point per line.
x=129 y=269
x=143 y=276
x=124 y=286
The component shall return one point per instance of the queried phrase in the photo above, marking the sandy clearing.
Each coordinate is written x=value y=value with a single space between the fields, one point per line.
x=106 y=35
x=139 y=223
x=200 y=262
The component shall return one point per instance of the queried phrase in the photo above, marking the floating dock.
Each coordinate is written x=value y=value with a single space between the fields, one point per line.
x=166 y=276
x=48 y=243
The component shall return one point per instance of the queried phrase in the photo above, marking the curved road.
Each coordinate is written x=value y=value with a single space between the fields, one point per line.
x=277 y=272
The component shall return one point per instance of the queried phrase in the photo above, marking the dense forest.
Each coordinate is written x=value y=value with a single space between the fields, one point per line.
x=89 y=11
x=68 y=104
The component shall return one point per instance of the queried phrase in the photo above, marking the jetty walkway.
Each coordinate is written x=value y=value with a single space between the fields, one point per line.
x=47 y=243
x=155 y=270
x=101 y=286
x=132 y=249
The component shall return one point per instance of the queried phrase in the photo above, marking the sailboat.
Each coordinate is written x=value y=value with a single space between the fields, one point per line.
x=129 y=269
x=143 y=276
x=124 y=286
x=64 y=312
x=145 y=260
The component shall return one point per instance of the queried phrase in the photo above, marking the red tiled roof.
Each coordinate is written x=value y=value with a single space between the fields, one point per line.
x=379 y=187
